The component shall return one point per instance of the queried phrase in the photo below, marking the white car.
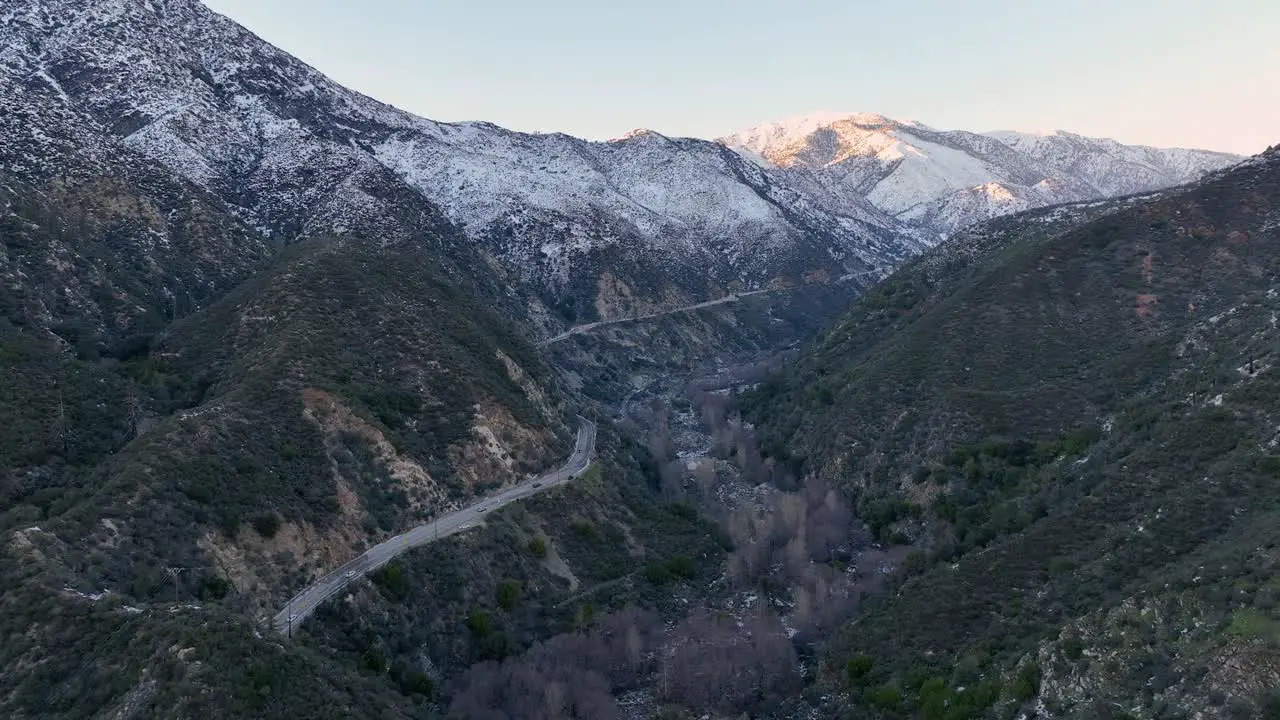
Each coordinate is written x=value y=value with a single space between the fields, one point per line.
x=350 y=574
x=292 y=618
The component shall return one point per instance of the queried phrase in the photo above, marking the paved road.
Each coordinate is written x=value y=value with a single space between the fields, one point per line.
x=576 y=329
x=305 y=602
x=730 y=298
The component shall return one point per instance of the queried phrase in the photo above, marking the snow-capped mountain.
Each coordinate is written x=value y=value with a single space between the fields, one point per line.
x=549 y=221
x=293 y=153
x=944 y=180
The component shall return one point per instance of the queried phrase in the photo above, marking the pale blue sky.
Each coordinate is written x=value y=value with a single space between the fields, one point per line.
x=1200 y=73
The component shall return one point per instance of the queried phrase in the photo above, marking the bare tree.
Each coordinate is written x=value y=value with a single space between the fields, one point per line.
x=704 y=476
x=672 y=474
x=569 y=676
x=660 y=433
x=722 y=664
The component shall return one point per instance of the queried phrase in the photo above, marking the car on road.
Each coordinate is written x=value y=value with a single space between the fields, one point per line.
x=481 y=509
x=537 y=484
x=292 y=618
x=350 y=574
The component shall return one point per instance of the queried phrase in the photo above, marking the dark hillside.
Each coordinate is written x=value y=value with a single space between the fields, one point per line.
x=1071 y=428
x=159 y=504
x=322 y=405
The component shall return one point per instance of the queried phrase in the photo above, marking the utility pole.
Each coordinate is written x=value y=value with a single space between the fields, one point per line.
x=174 y=572
x=135 y=415
x=62 y=418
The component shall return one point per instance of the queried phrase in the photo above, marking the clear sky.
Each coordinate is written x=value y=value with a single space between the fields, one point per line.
x=1197 y=73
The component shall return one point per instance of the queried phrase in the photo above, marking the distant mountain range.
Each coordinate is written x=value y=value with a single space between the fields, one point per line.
x=940 y=181
x=580 y=225
x=575 y=230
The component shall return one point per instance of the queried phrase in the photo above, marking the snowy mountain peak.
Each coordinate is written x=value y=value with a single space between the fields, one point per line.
x=996 y=191
x=294 y=154
x=799 y=125
x=942 y=180
x=639 y=133
x=1003 y=134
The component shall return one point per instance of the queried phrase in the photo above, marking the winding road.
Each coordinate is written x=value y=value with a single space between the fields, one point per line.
x=730 y=298
x=305 y=602
x=576 y=329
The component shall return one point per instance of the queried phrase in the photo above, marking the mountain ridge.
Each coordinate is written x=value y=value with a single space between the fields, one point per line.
x=293 y=153
x=554 y=229
x=944 y=180
x=1069 y=416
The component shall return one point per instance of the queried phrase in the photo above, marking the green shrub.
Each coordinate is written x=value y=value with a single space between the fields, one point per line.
x=1073 y=648
x=480 y=624
x=682 y=567
x=858 y=667
x=1027 y=683
x=1061 y=566
x=374 y=661
x=212 y=587
x=885 y=697
x=508 y=594
x=683 y=510
x=1253 y=625
x=538 y=546
x=656 y=573
x=416 y=682
x=267 y=524
x=390 y=577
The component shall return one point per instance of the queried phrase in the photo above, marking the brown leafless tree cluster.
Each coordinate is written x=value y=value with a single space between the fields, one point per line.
x=793 y=543
x=731 y=440
x=788 y=545
x=569 y=676
x=742 y=374
x=707 y=662
x=670 y=469
x=792 y=539
x=717 y=662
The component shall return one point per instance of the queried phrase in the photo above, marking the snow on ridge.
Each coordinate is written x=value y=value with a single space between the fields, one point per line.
x=926 y=177
x=761 y=138
x=201 y=95
x=204 y=97
x=646 y=186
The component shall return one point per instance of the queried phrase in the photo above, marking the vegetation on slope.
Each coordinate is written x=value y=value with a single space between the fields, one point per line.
x=489 y=595
x=608 y=363
x=167 y=484
x=163 y=484
x=1077 y=420
x=339 y=387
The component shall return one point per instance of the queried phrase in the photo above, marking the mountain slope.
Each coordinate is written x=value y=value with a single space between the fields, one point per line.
x=343 y=393
x=944 y=180
x=97 y=234
x=159 y=506
x=295 y=154
x=1071 y=415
